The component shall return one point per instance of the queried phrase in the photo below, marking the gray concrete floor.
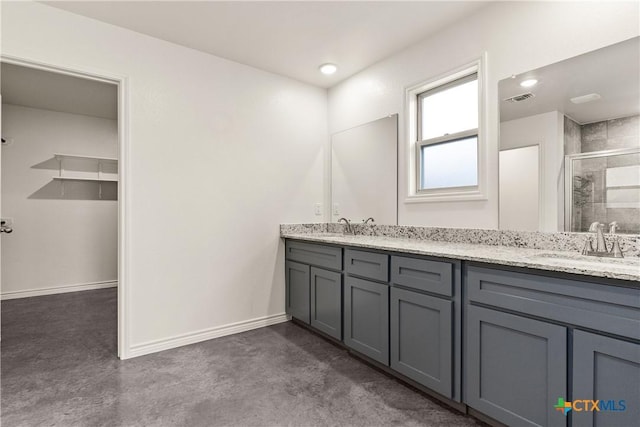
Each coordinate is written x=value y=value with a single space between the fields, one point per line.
x=59 y=368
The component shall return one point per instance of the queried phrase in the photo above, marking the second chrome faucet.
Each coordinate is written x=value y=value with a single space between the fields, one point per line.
x=601 y=249
x=349 y=229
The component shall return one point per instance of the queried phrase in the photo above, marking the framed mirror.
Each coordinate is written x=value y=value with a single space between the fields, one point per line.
x=570 y=143
x=364 y=172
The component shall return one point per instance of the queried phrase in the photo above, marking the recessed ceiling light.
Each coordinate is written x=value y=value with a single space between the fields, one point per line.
x=585 y=98
x=328 y=69
x=528 y=83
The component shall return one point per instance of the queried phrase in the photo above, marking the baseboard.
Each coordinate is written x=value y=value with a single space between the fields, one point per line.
x=204 y=335
x=58 y=290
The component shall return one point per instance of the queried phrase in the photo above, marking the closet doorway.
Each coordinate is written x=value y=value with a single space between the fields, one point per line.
x=62 y=240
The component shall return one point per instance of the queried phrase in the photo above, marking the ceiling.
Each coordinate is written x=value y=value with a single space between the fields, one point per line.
x=612 y=72
x=30 y=87
x=287 y=38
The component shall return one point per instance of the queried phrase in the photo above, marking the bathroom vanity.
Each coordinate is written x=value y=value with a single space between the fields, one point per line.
x=499 y=331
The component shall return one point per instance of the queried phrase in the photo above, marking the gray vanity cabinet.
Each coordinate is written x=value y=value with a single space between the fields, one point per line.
x=607 y=369
x=313 y=291
x=506 y=342
x=297 y=290
x=366 y=318
x=516 y=367
x=326 y=301
x=422 y=339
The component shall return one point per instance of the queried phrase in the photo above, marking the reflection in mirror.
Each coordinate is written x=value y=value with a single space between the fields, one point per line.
x=603 y=186
x=519 y=179
x=577 y=112
x=364 y=172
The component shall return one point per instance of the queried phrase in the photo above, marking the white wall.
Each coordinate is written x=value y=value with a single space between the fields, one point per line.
x=547 y=131
x=57 y=241
x=221 y=154
x=517 y=36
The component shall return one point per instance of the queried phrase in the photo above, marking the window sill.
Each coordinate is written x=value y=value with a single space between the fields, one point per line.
x=452 y=196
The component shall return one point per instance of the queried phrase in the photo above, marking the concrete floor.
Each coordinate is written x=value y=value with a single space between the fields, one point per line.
x=59 y=368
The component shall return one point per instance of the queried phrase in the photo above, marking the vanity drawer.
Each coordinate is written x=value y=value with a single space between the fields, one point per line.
x=602 y=307
x=313 y=254
x=370 y=265
x=422 y=274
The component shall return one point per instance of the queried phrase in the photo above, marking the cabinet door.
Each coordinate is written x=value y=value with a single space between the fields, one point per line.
x=326 y=301
x=366 y=318
x=608 y=370
x=421 y=339
x=516 y=367
x=297 y=290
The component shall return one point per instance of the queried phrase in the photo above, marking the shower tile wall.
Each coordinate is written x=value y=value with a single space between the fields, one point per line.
x=606 y=135
x=572 y=137
x=611 y=134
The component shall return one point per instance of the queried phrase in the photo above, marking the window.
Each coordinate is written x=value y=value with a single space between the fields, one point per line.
x=448 y=135
x=445 y=137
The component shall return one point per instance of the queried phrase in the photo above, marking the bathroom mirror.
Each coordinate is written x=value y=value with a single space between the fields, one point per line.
x=364 y=172
x=569 y=139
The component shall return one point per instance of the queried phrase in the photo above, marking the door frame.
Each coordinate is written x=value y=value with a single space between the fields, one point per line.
x=124 y=172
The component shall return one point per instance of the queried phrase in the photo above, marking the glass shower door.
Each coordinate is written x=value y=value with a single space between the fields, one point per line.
x=603 y=186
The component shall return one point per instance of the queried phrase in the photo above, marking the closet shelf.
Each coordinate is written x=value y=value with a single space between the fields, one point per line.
x=60 y=156
x=70 y=178
x=80 y=174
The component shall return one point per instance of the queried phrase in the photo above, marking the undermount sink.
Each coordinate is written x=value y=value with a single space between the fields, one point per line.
x=578 y=260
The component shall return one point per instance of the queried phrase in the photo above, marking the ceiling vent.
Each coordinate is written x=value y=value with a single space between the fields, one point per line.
x=585 y=98
x=520 y=97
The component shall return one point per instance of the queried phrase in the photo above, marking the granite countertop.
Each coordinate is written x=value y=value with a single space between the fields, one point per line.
x=541 y=259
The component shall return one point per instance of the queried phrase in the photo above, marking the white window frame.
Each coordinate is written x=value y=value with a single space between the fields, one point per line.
x=449 y=194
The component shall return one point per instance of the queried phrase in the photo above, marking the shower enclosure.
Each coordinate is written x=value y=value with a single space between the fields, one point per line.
x=603 y=186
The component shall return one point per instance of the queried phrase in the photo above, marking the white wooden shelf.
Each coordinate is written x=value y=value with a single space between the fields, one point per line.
x=60 y=156
x=79 y=173
x=71 y=178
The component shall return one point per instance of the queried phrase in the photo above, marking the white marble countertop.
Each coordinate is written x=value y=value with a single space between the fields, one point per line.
x=561 y=261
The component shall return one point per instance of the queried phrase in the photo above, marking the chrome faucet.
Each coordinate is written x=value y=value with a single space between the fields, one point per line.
x=615 y=249
x=613 y=227
x=601 y=249
x=601 y=245
x=347 y=224
x=366 y=221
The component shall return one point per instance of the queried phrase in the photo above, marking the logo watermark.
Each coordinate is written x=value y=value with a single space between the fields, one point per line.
x=587 y=405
